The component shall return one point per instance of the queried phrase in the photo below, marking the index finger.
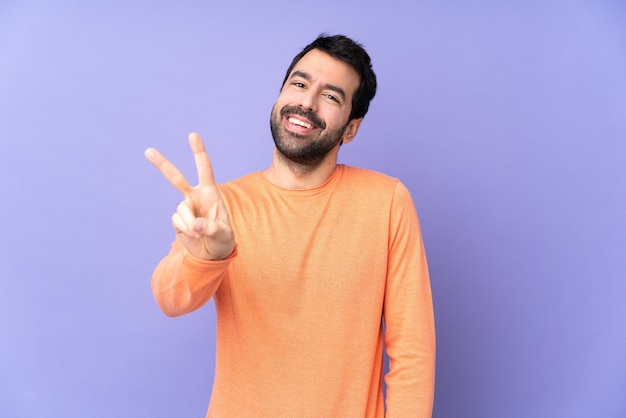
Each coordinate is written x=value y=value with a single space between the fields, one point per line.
x=203 y=163
x=169 y=170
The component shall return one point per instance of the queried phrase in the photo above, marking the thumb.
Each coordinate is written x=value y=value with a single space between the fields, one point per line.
x=203 y=227
x=199 y=226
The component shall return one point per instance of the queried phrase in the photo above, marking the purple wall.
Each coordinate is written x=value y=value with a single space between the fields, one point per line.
x=507 y=123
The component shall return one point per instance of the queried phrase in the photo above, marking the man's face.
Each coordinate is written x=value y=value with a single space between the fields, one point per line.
x=310 y=116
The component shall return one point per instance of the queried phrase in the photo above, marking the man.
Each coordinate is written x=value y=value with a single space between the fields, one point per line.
x=304 y=261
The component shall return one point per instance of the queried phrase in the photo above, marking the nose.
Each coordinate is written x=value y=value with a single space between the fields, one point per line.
x=308 y=100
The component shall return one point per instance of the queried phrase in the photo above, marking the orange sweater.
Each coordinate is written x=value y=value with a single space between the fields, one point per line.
x=300 y=303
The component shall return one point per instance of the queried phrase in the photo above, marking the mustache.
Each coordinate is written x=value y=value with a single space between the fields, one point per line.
x=295 y=110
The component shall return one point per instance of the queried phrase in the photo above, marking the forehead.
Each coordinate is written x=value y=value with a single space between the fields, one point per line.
x=325 y=69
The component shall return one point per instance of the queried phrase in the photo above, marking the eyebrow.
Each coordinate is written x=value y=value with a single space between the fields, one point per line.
x=331 y=87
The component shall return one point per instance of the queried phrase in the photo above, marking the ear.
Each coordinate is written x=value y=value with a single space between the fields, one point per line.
x=351 y=130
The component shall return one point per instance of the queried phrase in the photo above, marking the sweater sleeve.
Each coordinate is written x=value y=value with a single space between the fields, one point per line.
x=182 y=283
x=408 y=315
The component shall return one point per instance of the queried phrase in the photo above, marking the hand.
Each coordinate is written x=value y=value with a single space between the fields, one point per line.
x=201 y=220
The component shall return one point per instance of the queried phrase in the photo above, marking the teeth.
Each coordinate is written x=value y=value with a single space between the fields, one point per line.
x=300 y=123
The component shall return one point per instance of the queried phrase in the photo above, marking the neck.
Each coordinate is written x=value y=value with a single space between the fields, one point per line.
x=288 y=174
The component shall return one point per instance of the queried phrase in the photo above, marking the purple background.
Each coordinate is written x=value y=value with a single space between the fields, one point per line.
x=506 y=122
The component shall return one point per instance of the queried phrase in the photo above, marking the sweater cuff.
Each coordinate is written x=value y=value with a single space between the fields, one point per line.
x=201 y=264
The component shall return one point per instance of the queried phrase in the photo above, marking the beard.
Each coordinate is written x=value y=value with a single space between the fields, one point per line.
x=300 y=149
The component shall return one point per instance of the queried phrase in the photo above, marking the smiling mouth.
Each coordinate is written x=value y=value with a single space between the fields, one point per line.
x=304 y=119
x=299 y=122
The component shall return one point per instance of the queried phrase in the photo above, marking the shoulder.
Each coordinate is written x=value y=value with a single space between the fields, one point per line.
x=364 y=173
x=369 y=180
x=243 y=192
x=376 y=185
x=249 y=182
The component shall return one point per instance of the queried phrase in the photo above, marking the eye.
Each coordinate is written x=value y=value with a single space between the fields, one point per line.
x=298 y=84
x=332 y=97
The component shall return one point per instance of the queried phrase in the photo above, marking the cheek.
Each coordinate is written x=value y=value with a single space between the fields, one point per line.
x=336 y=119
x=285 y=97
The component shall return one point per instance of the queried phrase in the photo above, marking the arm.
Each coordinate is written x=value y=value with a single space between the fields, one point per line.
x=182 y=283
x=205 y=243
x=408 y=313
